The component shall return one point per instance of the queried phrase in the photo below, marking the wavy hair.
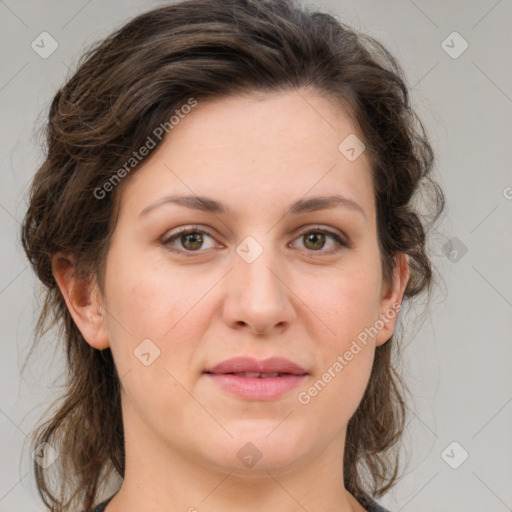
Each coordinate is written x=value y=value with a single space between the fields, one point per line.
x=130 y=83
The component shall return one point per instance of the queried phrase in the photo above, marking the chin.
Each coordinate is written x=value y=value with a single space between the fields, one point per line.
x=258 y=447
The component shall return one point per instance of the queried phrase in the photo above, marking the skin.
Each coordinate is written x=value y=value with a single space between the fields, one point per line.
x=298 y=299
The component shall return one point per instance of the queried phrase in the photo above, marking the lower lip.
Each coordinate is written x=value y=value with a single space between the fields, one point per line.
x=256 y=388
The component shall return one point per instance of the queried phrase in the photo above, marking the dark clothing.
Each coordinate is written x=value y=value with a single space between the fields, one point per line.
x=375 y=507
x=101 y=507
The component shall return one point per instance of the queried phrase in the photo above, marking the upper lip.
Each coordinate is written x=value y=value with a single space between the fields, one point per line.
x=249 y=364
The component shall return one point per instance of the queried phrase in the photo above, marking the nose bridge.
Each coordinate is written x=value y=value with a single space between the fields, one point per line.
x=257 y=294
x=256 y=263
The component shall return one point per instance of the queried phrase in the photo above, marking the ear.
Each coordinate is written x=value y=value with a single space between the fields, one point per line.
x=391 y=301
x=83 y=299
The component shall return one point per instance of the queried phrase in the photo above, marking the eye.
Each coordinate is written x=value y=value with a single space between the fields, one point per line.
x=315 y=239
x=191 y=238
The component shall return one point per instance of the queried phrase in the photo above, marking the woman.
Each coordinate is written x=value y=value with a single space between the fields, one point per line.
x=225 y=226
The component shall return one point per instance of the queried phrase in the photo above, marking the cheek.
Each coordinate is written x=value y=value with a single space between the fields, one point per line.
x=345 y=304
x=143 y=296
x=148 y=328
x=146 y=301
x=345 y=362
x=345 y=309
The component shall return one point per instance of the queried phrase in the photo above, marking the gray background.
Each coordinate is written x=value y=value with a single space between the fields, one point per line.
x=458 y=365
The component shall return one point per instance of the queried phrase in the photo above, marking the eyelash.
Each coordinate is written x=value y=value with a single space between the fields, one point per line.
x=187 y=230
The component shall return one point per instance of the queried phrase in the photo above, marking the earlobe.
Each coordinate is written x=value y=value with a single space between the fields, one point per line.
x=391 y=300
x=83 y=300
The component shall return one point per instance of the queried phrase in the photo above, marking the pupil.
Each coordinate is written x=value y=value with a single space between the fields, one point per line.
x=312 y=237
x=197 y=241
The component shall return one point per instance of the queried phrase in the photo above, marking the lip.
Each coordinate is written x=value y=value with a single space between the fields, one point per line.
x=256 y=388
x=250 y=364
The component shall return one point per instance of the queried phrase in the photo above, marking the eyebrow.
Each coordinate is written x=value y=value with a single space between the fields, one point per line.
x=210 y=205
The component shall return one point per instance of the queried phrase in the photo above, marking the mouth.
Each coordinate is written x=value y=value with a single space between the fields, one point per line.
x=253 y=375
x=250 y=379
x=251 y=367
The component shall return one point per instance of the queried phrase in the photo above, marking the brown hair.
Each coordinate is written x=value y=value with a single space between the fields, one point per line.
x=132 y=82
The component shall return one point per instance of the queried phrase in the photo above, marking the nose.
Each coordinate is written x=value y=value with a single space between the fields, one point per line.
x=258 y=297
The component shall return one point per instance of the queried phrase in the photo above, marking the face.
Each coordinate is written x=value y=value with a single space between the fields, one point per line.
x=255 y=277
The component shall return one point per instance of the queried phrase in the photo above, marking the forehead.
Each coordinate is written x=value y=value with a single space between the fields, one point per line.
x=256 y=151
